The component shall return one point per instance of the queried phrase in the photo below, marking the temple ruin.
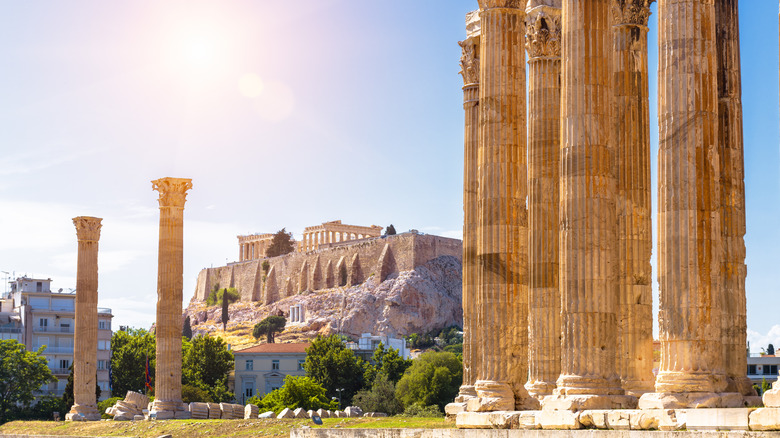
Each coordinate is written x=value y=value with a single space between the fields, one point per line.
x=557 y=235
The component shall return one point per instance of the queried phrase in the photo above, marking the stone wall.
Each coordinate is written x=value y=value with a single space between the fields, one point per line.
x=326 y=268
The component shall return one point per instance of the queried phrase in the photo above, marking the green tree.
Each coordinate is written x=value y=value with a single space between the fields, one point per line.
x=390 y=230
x=225 y=311
x=297 y=392
x=334 y=366
x=190 y=393
x=380 y=398
x=67 y=395
x=186 y=330
x=21 y=373
x=215 y=297
x=281 y=243
x=129 y=350
x=770 y=349
x=268 y=327
x=206 y=363
x=433 y=379
x=387 y=362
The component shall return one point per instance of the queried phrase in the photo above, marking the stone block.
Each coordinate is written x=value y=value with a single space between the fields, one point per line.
x=772 y=398
x=588 y=402
x=753 y=401
x=162 y=415
x=268 y=414
x=619 y=419
x=323 y=413
x=123 y=417
x=596 y=419
x=646 y=420
x=561 y=419
x=375 y=414
x=182 y=415
x=764 y=419
x=527 y=420
x=454 y=408
x=731 y=400
x=286 y=413
x=353 y=411
x=310 y=413
x=338 y=414
x=300 y=413
x=138 y=418
x=251 y=411
x=488 y=420
x=717 y=419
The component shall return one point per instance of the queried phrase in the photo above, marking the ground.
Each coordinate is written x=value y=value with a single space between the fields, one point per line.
x=210 y=428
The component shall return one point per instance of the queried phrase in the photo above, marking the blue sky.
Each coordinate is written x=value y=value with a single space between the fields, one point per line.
x=284 y=115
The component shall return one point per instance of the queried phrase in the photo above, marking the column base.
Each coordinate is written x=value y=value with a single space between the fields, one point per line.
x=540 y=389
x=691 y=400
x=582 y=402
x=466 y=392
x=83 y=413
x=744 y=386
x=168 y=410
x=680 y=382
x=638 y=387
x=491 y=396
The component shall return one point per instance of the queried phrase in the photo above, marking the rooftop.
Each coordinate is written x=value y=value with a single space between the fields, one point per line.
x=277 y=348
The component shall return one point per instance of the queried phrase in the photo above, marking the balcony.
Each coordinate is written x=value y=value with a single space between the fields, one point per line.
x=104 y=310
x=46 y=329
x=10 y=330
x=60 y=371
x=55 y=350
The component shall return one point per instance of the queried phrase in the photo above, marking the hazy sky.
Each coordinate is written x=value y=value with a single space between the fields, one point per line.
x=284 y=114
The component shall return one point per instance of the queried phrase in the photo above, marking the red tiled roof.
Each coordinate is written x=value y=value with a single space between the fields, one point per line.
x=277 y=348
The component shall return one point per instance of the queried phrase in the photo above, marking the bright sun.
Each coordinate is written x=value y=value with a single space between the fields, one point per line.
x=200 y=51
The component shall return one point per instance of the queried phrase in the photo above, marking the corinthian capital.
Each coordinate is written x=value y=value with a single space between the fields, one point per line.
x=543 y=33
x=507 y=4
x=173 y=191
x=87 y=228
x=469 y=61
x=631 y=12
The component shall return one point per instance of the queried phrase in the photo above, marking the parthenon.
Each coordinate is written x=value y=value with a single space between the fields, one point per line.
x=557 y=217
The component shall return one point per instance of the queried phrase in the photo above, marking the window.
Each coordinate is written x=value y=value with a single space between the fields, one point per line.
x=250 y=365
x=64 y=363
x=275 y=365
x=772 y=369
x=102 y=325
x=248 y=392
x=752 y=369
x=43 y=322
x=101 y=365
x=104 y=345
x=300 y=364
x=39 y=286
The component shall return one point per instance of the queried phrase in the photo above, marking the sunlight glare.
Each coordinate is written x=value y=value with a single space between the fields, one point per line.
x=250 y=85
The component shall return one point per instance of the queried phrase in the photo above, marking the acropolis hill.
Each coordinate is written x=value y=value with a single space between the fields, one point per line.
x=394 y=285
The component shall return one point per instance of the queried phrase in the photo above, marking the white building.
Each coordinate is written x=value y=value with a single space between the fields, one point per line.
x=46 y=318
x=760 y=368
x=262 y=368
x=367 y=343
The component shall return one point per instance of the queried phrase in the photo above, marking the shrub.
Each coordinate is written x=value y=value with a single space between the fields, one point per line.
x=105 y=404
x=297 y=392
x=419 y=410
x=215 y=297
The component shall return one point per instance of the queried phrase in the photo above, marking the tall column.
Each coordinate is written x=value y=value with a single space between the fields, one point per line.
x=543 y=42
x=85 y=336
x=689 y=233
x=588 y=236
x=167 y=384
x=469 y=69
x=732 y=185
x=502 y=230
x=634 y=220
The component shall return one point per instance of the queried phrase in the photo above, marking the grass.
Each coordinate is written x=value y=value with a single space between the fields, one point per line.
x=211 y=428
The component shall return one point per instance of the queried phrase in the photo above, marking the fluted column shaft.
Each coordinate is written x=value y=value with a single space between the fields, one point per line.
x=167 y=385
x=632 y=142
x=543 y=35
x=86 y=318
x=502 y=214
x=471 y=345
x=689 y=242
x=588 y=215
x=732 y=185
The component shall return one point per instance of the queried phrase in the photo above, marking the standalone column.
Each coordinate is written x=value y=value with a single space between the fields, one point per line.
x=167 y=384
x=543 y=38
x=502 y=230
x=588 y=216
x=85 y=337
x=732 y=210
x=469 y=64
x=772 y=397
x=689 y=240
x=635 y=240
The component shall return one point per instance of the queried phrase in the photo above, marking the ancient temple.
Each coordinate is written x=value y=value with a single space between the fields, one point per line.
x=557 y=236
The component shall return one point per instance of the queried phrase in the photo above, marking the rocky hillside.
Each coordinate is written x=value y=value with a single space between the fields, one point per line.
x=419 y=301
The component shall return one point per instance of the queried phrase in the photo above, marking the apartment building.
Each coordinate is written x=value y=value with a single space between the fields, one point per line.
x=262 y=368
x=46 y=318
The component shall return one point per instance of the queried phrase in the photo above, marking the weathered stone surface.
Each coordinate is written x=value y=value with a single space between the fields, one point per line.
x=300 y=413
x=323 y=413
x=488 y=420
x=558 y=419
x=353 y=411
x=717 y=419
x=578 y=402
x=764 y=419
x=267 y=414
x=286 y=413
x=492 y=397
x=251 y=411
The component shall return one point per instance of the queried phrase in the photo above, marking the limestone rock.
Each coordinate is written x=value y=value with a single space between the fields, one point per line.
x=267 y=414
x=251 y=411
x=765 y=419
x=138 y=418
x=323 y=413
x=375 y=414
x=560 y=419
x=300 y=413
x=286 y=413
x=353 y=411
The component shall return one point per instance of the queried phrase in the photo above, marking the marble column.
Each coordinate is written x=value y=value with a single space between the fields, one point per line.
x=689 y=241
x=86 y=319
x=588 y=234
x=543 y=43
x=502 y=230
x=732 y=186
x=167 y=384
x=634 y=220
x=469 y=69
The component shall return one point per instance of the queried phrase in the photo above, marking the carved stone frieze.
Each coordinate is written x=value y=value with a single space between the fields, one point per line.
x=88 y=228
x=509 y=4
x=173 y=191
x=543 y=34
x=631 y=12
x=469 y=61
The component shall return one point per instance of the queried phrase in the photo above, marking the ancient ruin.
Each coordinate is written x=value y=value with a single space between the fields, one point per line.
x=85 y=340
x=574 y=267
x=329 y=233
x=253 y=247
x=167 y=384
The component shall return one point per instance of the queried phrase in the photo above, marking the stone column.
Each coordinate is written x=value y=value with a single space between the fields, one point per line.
x=86 y=319
x=732 y=210
x=543 y=42
x=588 y=239
x=469 y=69
x=634 y=221
x=167 y=384
x=689 y=240
x=502 y=230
